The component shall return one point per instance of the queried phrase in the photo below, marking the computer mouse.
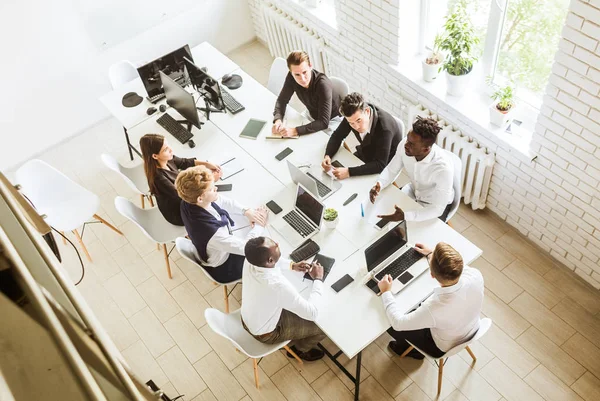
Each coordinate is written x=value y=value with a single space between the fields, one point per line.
x=191 y=143
x=151 y=110
x=162 y=108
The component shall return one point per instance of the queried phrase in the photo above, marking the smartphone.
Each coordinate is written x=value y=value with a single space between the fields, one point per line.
x=342 y=283
x=337 y=164
x=274 y=207
x=283 y=154
x=224 y=187
x=381 y=223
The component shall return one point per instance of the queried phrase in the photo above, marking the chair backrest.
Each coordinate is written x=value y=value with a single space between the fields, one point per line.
x=133 y=176
x=484 y=326
x=188 y=251
x=121 y=72
x=277 y=74
x=456 y=184
x=340 y=86
x=401 y=126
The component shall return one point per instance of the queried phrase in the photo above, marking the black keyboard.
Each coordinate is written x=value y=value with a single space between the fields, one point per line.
x=322 y=188
x=306 y=250
x=397 y=269
x=174 y=128
x=298 y=223
x=232 y=105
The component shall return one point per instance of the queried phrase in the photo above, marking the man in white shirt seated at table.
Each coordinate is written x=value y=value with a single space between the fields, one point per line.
x=272 y=308
x=449 y=317
x=430 y=170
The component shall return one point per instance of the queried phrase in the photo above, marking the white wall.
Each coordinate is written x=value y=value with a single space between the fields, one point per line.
x=56 y=73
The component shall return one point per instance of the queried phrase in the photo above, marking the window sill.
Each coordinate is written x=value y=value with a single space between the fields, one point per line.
x=474 y=106
x=324 y=12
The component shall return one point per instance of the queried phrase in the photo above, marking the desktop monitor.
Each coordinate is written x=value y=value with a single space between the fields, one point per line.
x=181 y=100
x=206 y=85
x=171 y=64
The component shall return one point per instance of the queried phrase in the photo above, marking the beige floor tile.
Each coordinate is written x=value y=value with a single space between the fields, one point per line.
x=310 y=370
x=196 y=276
x=181 y=373
x=272 y=363
x=508 y=351
x=206 y=395
x=485 y=220
x=580 y=319
x=329 y=387
x=219 y=379
x=384 y=370
x=587 y=387
x=371 y=390
x=124 y=294
x=223 y=347
x=140 y=242
x=522 y=249
x=584 y=352
x=549 y=386
x=456 y=396
x=107 y=202
x=493 y=253
x=542 y=318
x=580 y=291
x=156 y=261
x=170 y=390
x=470 y=383
x=259 y=54
x=383 y=341
x=132 y=264
x=187 y=337
x=349 y=364
x=504 y=316
x=158 y=299
x=483 y=355
x=216 y=300
x=413 y=393
x=459 y=223
x=551 y=355
x=534 y=284
x=425 y=374
x=508 y=383
x=293 y=386
x=192 y=303
x=267 y=391
x=102 y=264
x=151 y=331
x=143 y=364
x=496 y=281
x=236 y=292
x=110 y=239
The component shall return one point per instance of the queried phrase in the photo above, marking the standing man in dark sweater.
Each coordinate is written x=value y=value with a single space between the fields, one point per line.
x=314 y=90
x=376 y=130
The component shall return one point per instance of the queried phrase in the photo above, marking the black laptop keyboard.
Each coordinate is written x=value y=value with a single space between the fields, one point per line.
x=294 y=219
x=397 y=269
x=322 y=188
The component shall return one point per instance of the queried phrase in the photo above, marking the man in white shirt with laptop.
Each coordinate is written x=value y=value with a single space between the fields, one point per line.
x=272 y=308
x=430 y=170
x=449 y=317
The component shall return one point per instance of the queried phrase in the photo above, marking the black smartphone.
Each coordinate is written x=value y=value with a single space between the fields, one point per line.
x=274 y=207
x=284 y=153
x=224 y=187
x=337 y=164
x=381 y=223
x=342 y=283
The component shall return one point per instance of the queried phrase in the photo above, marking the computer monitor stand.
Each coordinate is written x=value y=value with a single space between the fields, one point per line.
x=188 y=125
x=208 y=109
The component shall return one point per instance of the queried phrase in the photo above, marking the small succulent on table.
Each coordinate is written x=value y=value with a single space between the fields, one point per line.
x=330 y=214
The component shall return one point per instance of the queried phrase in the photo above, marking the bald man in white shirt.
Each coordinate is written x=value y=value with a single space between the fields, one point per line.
x=430 y=170
x=449 y=317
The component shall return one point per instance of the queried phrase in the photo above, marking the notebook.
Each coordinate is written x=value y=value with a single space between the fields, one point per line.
x=253 y=128
x=326 y=262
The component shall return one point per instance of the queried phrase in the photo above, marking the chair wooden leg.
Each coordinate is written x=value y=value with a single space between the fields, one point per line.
x=407 y=351
x=440 y=375
x=108 y=224
x=157 y=246
x=296 y=357
x=256 y=373
x=151 y=201
x=449 y=224
x=226 y=299
x=142 y=201
x=167 y=260
x=63 y=238
x=472 y=354
x=82 y=245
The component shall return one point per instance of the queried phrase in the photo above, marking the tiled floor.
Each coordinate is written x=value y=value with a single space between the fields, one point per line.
x=544 y=344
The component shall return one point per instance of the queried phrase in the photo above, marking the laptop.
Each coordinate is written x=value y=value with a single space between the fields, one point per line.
x=303 y=221
x=392 y=254
x=318 y=183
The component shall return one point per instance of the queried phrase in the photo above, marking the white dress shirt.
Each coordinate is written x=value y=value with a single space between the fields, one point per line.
x=431 y=180
x=222 y=242
x=266 y=292
x=452 y=313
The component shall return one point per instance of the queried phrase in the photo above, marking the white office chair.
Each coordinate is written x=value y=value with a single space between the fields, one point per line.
x=457 y=185
x=401 y=126
x=277 y=74
x=121 y=72
x=484 y=326
x=153 y=225
x=66 y=204
x=187 y=250
x=340 y=86
x=230 y=327
x=134 y=177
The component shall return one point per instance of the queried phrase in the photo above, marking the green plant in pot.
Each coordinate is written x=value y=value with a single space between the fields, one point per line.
x=459 y=42
x=330 y=217
x=504 y=103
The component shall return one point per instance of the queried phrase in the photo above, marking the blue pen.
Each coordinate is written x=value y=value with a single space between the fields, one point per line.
x=362 y=210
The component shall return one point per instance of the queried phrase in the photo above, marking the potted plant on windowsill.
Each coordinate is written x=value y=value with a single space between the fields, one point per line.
x=432 y=63
x=458 y=41
x=330 y=217
x=502 y=109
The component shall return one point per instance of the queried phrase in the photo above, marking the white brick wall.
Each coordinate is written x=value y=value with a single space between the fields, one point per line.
x=554 y=200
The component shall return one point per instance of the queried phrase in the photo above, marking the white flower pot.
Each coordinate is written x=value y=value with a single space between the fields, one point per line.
x=457 y=84
x=499 y=118
x=313 y=3
x=331 y=224
x=430 y=71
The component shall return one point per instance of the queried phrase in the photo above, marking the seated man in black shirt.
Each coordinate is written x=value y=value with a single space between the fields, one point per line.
x=314 y=90
x=376 y=130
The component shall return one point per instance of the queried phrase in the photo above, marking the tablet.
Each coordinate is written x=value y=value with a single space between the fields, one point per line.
x=253 y=128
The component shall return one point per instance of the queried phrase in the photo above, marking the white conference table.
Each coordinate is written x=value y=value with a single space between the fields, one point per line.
x=354 y=317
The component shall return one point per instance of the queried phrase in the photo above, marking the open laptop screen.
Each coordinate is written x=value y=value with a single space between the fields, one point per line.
x=385 y=246
x=309 y=205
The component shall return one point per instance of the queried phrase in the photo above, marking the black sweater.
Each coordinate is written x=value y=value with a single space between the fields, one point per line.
x=377 y=149
x=166 y=194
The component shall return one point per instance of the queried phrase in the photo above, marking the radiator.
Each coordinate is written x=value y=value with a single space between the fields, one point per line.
x=286 y=34
x=477 y=162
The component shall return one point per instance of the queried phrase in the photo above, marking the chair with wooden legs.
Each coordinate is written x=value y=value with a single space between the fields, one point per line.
x=65 y=205
x=484 y=326
x=230 y=327
x=153 y=225
x=187 y=250
x=134 y=177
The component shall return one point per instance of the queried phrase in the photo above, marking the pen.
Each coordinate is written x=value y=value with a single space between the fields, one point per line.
x=227 y=161
x=350 y=199
x=362 y=210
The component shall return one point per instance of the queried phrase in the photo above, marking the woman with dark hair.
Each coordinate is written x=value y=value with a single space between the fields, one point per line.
x=161 y=167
